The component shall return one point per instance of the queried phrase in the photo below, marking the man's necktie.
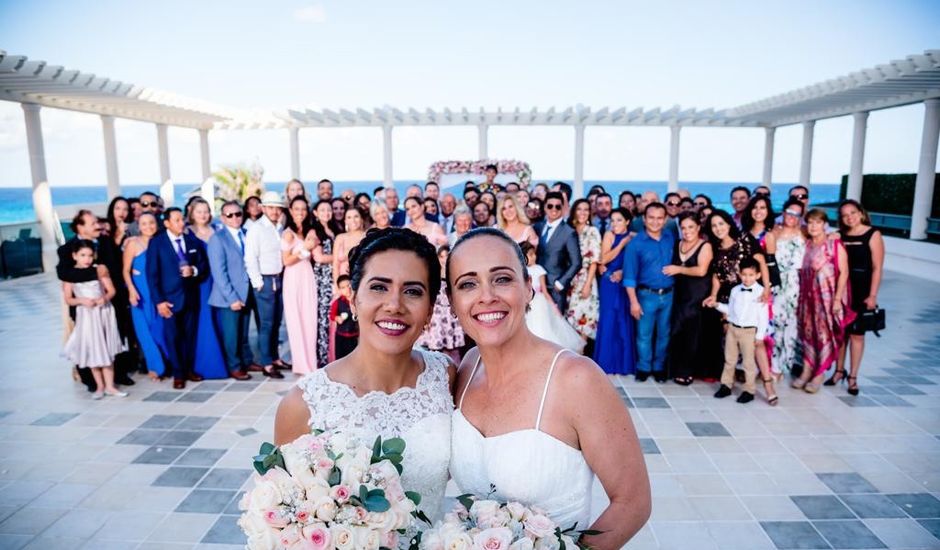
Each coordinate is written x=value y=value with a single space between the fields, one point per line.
x=603 y=227
x=179 y=249
x=241 y=240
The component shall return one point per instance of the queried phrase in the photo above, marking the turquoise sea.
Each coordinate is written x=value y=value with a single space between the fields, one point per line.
x=16 y=202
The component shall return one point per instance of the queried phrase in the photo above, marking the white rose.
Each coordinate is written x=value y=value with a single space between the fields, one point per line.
x=525 y=543
x=260 y=535
x=326 y=509
x=367 y=539
x=498 y=538
x=458 y=541
x=343 y=538
x=382 y=521
x=352 y=476
x=289 y=489
x=484 y=507
x=264 y=496
x=517 y=510
x=539 y=526
x=547 y=543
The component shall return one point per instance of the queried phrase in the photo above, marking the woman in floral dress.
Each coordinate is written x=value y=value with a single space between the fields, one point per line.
x=583 y=307
x=823 y=309
x=444 y=333
x=791 y=245
x=323 y=273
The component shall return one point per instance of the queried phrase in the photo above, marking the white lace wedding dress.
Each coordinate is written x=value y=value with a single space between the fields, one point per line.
x=529 y=466
x=420 y=415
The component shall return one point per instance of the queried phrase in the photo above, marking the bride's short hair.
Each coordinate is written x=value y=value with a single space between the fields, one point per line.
x=486 y=232
x=395 y=238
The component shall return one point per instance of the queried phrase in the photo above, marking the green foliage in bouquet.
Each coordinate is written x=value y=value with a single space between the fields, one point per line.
x=268 y=457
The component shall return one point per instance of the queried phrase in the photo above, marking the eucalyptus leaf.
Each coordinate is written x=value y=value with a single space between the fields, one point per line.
x=466 y=500
x=377 y=504
x=413 y=497
x=336 y=476
x=396 y=445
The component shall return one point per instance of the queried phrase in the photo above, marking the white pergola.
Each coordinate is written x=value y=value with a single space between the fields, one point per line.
x=915 y=79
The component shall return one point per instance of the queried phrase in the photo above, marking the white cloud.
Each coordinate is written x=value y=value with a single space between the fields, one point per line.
x=310 y=14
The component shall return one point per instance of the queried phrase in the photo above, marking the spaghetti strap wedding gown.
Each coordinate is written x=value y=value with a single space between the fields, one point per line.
x=528 y=466
x=420 y=415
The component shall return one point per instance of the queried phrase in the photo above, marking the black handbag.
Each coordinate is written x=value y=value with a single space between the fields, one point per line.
x=774 y=270
x=872 y=320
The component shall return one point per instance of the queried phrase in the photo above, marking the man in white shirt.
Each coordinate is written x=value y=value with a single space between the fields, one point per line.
x=748 y=320
x=264 y=266
x=558 y=252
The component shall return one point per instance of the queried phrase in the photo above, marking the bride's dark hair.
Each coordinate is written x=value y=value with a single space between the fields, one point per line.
x=394 y=238
x=486 y=232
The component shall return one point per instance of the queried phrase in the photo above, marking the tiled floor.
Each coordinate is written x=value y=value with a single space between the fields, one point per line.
x=164 y=469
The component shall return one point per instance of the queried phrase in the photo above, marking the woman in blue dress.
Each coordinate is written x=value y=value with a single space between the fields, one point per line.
x=209 y=363
x=614 y=350
x=148 y=326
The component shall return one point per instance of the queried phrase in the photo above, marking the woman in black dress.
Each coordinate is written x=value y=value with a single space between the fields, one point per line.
x=691 y=260
x=866 y=253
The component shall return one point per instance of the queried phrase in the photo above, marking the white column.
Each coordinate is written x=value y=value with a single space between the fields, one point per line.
x=673 y=158
x=768 y=156
x=926 y=170
x=806 y=157
x=110 y=156
x=163 y=150
x=483 y=131
x=387 y=179
x=578 y=161
x=854 y=189
x=42 y=195
x=294 y=152
x=204 y=153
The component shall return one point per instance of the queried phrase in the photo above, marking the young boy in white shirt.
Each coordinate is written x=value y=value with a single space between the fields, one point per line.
x=748 y=322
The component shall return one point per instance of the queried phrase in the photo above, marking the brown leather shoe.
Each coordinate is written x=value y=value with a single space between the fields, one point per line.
x=241 y=375
x=281 y=365
x=195 y=378
x=255 y=367
x=179 y=383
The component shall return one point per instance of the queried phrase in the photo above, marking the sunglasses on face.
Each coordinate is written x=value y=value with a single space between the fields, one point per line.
x=552 y=206
x=672 y=204
x=233 y=215
x=700 y=204
x=145 y=204
x=793 y=213
x=801 y=196
x=762 y=193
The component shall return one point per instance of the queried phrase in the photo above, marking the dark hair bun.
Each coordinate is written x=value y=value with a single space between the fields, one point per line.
x=394 y=238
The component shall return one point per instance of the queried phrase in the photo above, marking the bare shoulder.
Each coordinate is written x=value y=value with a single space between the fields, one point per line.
x=581 y=377
x=292 y=417
x=103 y=271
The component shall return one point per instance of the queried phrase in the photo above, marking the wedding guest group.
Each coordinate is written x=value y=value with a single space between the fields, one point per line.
x=673 y=289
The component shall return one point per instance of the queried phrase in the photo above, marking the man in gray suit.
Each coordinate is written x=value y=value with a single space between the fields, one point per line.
x=559 y=252
x=231 y=292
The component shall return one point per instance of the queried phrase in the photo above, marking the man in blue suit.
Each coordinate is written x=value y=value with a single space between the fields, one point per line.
x=176 y=264
x=231 y=294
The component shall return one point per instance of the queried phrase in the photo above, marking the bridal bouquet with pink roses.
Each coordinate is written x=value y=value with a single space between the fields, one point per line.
x=326 y=491
x=482 y=524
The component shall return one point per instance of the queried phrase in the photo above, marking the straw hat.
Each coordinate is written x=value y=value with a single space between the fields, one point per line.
x=271 y=198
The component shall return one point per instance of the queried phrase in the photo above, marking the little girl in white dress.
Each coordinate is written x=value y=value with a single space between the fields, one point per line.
x=543 y=317
x=95 y=340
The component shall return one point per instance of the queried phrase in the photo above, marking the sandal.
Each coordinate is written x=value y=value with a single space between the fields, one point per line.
x=686 y=381
x=838 y=376
x=798 y=383
x=771 y=399
x=853 y=385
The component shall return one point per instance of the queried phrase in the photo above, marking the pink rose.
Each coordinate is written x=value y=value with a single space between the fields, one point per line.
x=538 y=526
x=324 y=464
x=277 y=517
x=290 y=535
x=498 y=538
x=318 y=537
x=390 y=540
x=340 y=493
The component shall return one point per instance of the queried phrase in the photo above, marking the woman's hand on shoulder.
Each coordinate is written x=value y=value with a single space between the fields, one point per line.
x=291 y=420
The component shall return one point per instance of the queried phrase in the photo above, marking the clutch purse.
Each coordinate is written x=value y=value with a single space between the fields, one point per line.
x=872 y=320
x=774 y=270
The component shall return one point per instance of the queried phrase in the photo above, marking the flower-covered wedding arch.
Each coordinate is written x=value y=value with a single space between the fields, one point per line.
x=508 y=170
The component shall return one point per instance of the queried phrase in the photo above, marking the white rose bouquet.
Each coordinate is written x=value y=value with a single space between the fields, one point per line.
x=327 y=491
x=479 y=524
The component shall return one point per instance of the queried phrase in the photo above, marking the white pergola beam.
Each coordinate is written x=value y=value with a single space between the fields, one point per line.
x=110 y=156
x=856 y=164
x=42 y=194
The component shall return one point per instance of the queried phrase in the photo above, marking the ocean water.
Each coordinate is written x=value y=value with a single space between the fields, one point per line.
x=16 y=204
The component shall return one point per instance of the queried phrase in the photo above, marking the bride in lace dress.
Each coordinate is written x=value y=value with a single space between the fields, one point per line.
x=384 y=387
x=535 y=420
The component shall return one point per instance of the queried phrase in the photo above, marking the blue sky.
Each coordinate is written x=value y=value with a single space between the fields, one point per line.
x=445 y=54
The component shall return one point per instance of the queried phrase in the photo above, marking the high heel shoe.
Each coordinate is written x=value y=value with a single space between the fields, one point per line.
x=771 y=399
x=853 y=385
x=838 y=376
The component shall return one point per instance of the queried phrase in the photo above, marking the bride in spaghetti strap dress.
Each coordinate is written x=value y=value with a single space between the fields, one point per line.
x=535 y=421
x=525 y=465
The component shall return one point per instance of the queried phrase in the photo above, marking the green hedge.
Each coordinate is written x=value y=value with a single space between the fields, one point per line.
x=891 y=193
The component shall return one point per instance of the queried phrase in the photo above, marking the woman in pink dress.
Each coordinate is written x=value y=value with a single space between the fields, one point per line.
x=298 y=244
x=823 y=310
